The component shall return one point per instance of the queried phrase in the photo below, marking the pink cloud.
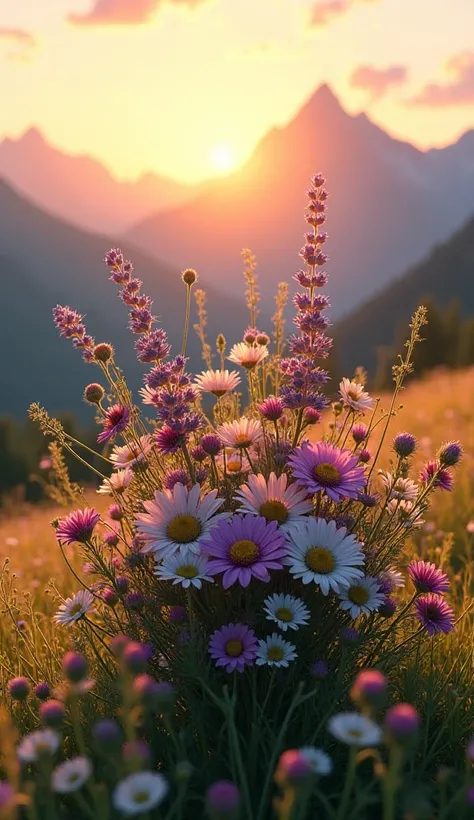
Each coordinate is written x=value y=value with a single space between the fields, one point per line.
x=378 y=81
x=459 y=91
x=124 y=12
x=324 y=11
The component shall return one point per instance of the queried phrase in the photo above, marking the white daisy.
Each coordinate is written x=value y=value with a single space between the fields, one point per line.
x=218 y=382
x=240 y=434
x=275 y=651
x=354 y=729
x=246 y=356
x=408 y=513
x=74 y=608
x=274 y=500
x=354 y=395
x=402 y=488
x=178 y=519
x=117 y=483
x=319 y=761
x=44 y=741
x=71 y=775
x=139 y=792
x=362 y=597
x=131 y=454
x=287 y=611
x=320 y=553
x=185 y=568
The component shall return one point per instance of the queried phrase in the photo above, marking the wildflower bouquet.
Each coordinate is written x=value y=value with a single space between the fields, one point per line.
x=248 y=560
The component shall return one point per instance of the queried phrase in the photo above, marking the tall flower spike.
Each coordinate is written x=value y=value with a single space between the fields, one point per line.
x=302 y=379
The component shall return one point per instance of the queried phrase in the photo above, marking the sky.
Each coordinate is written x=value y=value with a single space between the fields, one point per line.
x=186 y=88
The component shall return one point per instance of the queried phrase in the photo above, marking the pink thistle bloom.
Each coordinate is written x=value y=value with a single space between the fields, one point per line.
x=321 y=466
x=78 y=526
x=427 y=577
x=218 y=382
x=274 y=500
x=354 y=395
x=271 y=409
x=434 y=614
x=233 y=646
x=244 y=547
x=248 y=357
x=442 y=477
x=115 y=421
x=240 y=434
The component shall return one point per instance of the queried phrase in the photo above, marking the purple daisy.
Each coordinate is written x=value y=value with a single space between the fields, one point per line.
x=434 y=614
x=115 y=420
x=243 y=547
x=434 y=472
x=427 y=577
x=78 y=526
x=321 y=466
x=233 y=646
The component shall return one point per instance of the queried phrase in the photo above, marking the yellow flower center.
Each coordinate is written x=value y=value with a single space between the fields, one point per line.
x=243 y=553
x=355 y=733
x=274 y=511
x=275 y=653
x=184 y=529
x=75 y=609
x=234 y=648
x=327 y=474
x=234 y=466
x=42 y=748
x=320 y=560
x=141 y=797
x=218 y=393
x=187 y=571
x=73 y=778
x=353 y=394
x=358 y=595
x=284 y=614
x=242 y=441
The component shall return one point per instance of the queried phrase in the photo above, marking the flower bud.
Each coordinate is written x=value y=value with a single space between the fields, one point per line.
x=111 y=539
x=109 y=596
x=135 y=658
x=42 y=691
x=402 y=723
x=135 y=601
x=359 y=433
x=449 y=454
x=369 y=689
x=222 y=800
x=122 y=584
x=189 y=277
x=52 y=713
x=103 y=352
x=115 y=513
x=18 y=688
x=388 y=608
x=137 y=751
x=75 y=667
x=107 y=734
x=293 y=768
x=94 y=393
x=404 y=444
x=320 y=670
x=211 y=444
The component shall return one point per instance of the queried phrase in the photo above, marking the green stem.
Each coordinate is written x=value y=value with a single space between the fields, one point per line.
x=348 y=785
x=186 y=320
x=391 y=783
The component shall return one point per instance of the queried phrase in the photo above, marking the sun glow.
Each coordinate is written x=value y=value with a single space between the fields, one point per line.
x=222 y=159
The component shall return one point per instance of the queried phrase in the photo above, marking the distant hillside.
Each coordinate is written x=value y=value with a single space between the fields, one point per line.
x=80 y=189
x=387 y=208
x=44 y=261
x=446 y=274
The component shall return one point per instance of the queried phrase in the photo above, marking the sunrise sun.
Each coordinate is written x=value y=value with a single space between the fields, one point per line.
x=222 y=158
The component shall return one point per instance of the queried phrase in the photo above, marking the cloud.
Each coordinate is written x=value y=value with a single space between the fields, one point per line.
x=124 y=12
x=459 y=91
x=378 y=81
x=20 y=43
x=324 y=11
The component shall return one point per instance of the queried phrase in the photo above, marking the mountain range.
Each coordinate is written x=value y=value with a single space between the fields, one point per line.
x=389 y=204
x=80 y=189
x=44 y=261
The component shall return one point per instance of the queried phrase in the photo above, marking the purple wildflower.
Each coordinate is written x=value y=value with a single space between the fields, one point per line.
x=404 y=444
x=18 y=688
x=222 y=800
x=42 y=690
x=115 y=421
x=169 y=440
x=70 y=325
x=450 y=453
x=177 y=477
x=436 y=475
x=153 y=347
x=7 y=795
x=427 y=577
x=271 y=409
x=369 y=688
x=402 y=722
x=211 y=444
x=434 y=614
x=177 y=614
x=243 y=547
x=359 y=433
x=198 y=454
x=324 y=467
x=320 y=670
x=78 y=526
x=388 y=608
x=52 y=713
x=233 y=646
